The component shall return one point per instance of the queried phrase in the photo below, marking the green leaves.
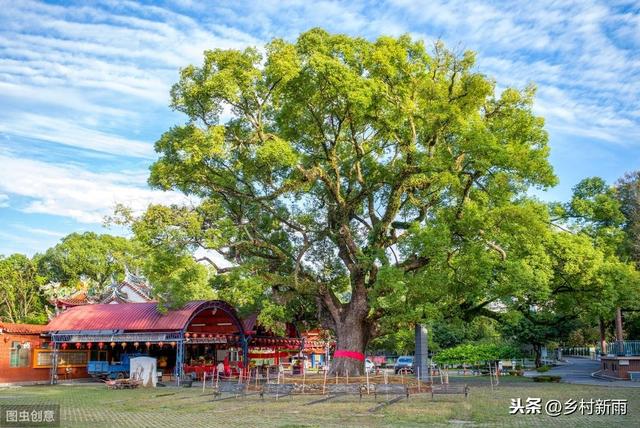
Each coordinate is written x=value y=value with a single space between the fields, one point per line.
x=97 y=258
x=476 y=353
x=21 y=300
x=378 y=177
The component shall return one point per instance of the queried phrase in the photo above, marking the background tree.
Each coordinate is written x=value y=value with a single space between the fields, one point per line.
x=337 y=152
x=88 y=260
x=628 y=195
x=20 y=298
x=597 y=211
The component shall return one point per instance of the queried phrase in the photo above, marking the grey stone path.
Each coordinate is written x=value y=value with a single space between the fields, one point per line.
x=578 y=371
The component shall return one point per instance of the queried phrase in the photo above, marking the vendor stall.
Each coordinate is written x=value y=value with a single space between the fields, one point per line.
x=202 y=333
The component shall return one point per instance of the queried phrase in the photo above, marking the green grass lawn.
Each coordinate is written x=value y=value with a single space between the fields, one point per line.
x=91 y=405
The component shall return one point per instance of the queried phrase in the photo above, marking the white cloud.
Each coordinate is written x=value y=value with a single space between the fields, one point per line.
x=67 y=190
x=61 y=131
x=4 y=201
x=38 y=231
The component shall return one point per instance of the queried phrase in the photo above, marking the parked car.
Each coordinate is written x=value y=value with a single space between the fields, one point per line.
x=369 y=366
x=403 y=364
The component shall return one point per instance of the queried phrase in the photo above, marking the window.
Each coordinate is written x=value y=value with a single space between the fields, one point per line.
x=20 y=353
x=69 y=358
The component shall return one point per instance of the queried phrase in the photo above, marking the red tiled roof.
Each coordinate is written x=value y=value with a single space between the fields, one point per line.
x=78 y=298
x=125 y=316
x=22 y=328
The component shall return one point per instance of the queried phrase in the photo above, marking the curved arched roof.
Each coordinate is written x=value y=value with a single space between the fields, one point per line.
x=135 y=317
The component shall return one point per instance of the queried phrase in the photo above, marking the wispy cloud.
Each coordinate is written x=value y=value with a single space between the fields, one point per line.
x=67 y=190
x=38 y=231
x=89 y=81
x=61 y=131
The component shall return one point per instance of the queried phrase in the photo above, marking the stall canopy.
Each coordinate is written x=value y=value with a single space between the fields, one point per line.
x=202 y=315
x=197 y=322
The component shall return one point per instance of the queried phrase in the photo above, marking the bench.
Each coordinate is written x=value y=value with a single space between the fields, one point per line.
x=391 y=389
x=277 y=389
x=449 y=389
x=398 y=390
x=185 y=381
x=345 y=388
x=233 y=388
x=335 y=390
x=122 y=384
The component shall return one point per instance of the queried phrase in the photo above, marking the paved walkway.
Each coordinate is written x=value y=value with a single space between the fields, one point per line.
x=578 y=371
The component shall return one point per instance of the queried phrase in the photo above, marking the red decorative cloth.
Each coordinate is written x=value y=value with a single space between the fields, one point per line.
x=354 y=355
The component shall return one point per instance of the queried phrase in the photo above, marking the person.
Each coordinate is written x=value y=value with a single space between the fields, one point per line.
x=226 y=367
x=220 y=369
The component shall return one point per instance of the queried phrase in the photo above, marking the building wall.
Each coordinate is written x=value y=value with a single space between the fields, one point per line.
x=27 y=374
x=20 y=374
x=619 y=367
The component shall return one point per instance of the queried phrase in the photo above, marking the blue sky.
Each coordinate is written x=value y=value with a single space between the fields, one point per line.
x=84 y=87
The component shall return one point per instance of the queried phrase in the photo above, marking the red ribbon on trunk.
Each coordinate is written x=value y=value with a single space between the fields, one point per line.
x=341 y=353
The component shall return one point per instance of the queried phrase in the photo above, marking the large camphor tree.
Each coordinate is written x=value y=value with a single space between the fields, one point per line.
x=342 y=170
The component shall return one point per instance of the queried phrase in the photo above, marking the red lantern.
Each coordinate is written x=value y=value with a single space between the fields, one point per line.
x=64 y=346
x=100 y=345
x=160 y=344
x=187 y=335
x=113 y=344
x=210 y=336
x=148 y=344
x=78 y=345
x=136 y=344
x=89 y=345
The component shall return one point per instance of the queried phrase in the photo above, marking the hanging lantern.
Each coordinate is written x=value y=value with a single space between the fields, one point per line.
x=187 y=335
x=113 y=344
x=89 y=345
x=78 y=345
x=100 y=345
x=210 y=335
x=160 y=344
x=64 y=346
x=173 y=344
x=123 y=344
x=136 y=344
x=148 y=344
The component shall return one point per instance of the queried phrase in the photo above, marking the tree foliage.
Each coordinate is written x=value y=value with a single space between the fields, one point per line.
x=20 y=298
x=88 y=259
x=470 y=353
x=628 y=194
x=365 y=175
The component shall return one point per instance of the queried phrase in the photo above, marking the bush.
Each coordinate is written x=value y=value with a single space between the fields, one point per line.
x=555 y=379
x=516 y=372
x=543 y=369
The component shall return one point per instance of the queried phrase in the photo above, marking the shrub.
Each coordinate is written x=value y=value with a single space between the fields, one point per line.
x=543 y=369
x=555 y=379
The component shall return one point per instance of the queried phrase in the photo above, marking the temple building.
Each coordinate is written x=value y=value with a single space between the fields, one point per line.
x=133 y=289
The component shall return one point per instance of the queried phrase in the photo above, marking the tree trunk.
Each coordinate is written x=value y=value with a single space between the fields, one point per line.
x=351 y=335
x=619 y=331
x=603 y=337
x=537 y=349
